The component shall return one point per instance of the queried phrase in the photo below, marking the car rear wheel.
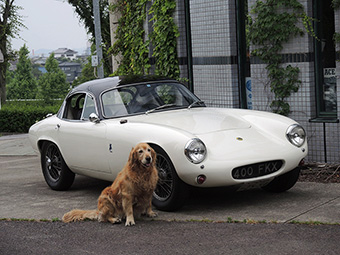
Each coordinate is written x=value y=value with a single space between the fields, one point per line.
x=283 y=182
x=171 y=192
x=56 y=173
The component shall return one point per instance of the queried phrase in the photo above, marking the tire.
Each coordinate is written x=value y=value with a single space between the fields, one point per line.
x=283 y=182
x=171 y=192
x=56 y=173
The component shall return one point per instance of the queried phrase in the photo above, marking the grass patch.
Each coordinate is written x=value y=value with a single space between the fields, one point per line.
x=313 y=223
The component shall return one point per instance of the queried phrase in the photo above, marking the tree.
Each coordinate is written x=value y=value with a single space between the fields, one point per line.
x=84 y=9
x=87 y=74
x=52 y=84
x=23 y=85
x=10 y=24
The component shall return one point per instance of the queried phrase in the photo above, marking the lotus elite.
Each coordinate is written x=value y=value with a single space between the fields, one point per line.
x=100 y=121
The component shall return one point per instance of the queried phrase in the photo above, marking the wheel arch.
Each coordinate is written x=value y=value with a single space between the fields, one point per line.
x=45 y=140
x=160 y=148
x=156 y=146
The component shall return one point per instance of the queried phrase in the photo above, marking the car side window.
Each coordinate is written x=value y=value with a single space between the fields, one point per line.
x=89 y=107
x=74 y=107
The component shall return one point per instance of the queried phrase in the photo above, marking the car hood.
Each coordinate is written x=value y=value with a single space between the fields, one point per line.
x=197 y=120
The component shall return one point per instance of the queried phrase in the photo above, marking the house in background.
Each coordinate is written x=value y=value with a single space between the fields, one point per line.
x=71 y=69
x=65 y=53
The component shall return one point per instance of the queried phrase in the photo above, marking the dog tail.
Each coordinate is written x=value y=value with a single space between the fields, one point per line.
x=80 y=215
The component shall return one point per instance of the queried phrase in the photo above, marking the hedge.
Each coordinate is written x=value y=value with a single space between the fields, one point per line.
x=18 y=117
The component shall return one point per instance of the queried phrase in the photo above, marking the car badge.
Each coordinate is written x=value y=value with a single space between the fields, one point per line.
x=239 y=138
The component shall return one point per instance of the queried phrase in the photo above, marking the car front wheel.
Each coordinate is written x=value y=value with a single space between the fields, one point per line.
x=283 y=182
x=56 y=173
x=171 y=192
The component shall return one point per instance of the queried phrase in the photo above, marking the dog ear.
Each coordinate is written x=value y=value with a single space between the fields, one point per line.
x=154 y=156
x=133 y=156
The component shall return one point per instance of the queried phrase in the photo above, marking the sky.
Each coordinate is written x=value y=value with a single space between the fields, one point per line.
x=51 y=24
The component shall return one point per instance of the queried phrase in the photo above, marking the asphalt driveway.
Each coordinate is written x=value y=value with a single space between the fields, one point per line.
x=202 y=226
x=25 y=195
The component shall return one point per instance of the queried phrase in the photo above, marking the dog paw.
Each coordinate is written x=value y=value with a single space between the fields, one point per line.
x=130 y=223
x=115 y=220
x=152 y=214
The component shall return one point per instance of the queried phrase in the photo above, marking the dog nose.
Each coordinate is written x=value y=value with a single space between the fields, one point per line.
x=148 y=159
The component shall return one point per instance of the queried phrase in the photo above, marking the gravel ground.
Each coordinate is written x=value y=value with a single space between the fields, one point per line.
x=320 y=172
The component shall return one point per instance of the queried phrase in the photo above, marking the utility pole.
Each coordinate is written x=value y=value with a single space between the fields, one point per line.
x=98 y=37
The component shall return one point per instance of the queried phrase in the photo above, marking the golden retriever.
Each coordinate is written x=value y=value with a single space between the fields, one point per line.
x=130 y=194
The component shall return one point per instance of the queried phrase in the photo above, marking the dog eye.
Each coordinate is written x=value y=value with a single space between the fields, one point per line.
x=149 y=150
x=140 y=151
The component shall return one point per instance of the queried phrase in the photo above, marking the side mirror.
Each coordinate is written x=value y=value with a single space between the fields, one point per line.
x=94 y=118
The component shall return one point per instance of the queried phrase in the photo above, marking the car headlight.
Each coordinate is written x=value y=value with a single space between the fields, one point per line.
x=195 y=150
x=296 y=135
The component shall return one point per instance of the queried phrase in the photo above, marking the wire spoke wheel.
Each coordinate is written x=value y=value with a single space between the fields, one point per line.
x=56 y=173
x=171 y=192
x=53 y=163
x=165 y=179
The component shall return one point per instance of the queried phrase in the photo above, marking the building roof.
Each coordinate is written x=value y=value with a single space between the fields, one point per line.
x=64 y=51
x=64 y=64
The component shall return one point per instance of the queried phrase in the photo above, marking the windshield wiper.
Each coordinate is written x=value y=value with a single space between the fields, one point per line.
x=196 y=102
x=160 y=107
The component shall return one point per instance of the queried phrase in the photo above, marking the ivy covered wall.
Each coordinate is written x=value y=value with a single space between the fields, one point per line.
x=215 y=60
x=215 y=65
x=135 y=43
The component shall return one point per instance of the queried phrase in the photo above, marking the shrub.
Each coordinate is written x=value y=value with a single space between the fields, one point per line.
x=17 y=117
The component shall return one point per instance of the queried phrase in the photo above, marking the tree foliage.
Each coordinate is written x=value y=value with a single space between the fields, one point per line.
x=336 y=4
x=130 y=38
x=84 y=10
x=87 y=73
x=10 y=25
x=23 y=85
x=52 y=85
x=136 y=45
x=164 y=38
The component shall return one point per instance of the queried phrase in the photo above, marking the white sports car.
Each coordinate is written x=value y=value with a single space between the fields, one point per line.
x=101 y=120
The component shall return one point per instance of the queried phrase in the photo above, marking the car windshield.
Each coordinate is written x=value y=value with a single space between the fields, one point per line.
x=147 y=98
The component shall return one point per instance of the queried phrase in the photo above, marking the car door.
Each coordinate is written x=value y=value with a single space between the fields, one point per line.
x=120 y=136
x=83 y=143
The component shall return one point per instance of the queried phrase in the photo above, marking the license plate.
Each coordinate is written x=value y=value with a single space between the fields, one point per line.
x=257 y=170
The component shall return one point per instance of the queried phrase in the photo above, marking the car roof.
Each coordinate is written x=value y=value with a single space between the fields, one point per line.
x=99 y=85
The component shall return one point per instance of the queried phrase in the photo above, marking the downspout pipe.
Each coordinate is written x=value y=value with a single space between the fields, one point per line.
x=189 y=45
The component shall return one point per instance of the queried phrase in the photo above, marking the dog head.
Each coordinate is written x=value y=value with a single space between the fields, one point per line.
x=143 y=155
